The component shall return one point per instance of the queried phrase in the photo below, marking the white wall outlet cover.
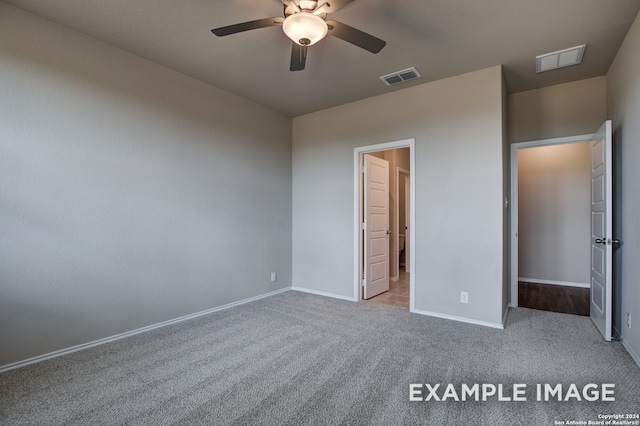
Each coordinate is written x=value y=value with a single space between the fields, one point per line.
x=274 y=276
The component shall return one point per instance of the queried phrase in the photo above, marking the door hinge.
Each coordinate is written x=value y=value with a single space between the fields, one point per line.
x=362 y=282
x=362 y=226
x=363 y=170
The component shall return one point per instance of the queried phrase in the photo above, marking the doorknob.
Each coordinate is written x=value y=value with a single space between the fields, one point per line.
x=604 y=241
x=388 y=232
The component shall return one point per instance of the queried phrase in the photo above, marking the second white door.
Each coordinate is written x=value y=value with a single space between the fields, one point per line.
x=601 y=230
x=376 y=233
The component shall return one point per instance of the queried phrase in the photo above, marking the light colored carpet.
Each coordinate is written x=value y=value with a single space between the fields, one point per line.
x=296 y=359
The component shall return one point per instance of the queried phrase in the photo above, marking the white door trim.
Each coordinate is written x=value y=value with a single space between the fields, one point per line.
x=400 y=172
x=513 y=264
x=358 y=152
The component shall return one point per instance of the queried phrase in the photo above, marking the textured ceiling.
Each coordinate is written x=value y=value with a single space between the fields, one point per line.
x=441 y=38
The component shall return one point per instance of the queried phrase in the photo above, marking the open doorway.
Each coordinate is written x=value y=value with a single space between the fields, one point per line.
x=599 y=230
x=549 y=276
x=383 y=257
x=553 y=227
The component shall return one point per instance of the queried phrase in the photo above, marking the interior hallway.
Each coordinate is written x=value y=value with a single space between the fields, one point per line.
x=398 y=294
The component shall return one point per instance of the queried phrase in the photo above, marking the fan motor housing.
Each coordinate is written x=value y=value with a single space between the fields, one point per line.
x=305 y=6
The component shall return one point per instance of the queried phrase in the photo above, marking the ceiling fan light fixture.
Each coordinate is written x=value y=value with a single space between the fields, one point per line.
x=305 y=28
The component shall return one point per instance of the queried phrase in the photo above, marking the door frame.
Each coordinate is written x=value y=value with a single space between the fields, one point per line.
x=513 y=264
x=404 y=173
x=358 y=154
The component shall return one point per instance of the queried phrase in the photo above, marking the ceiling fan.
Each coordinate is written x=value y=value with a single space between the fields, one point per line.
x=305 y=23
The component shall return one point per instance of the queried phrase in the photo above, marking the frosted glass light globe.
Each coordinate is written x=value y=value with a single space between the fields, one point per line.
x=304 y=28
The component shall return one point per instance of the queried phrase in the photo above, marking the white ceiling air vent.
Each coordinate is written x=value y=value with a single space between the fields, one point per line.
x=400 y=76
x=560 y=59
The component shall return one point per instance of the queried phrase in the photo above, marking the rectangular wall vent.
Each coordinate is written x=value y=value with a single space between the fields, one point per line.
x=400 y=76
x=560 y=59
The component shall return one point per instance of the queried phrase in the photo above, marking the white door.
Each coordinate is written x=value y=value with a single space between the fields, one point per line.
x=376 y=227
x=601 y=230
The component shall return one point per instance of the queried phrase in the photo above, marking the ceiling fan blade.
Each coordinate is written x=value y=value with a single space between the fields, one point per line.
x=246 y=26
x=298 y=57
x=355 y=36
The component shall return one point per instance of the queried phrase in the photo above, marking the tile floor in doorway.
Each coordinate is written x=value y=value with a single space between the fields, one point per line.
x=398 y=294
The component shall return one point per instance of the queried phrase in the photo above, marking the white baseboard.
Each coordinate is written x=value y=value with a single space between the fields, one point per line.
x=460 y=319
x=323 y=293
x=98 y=342
x=553 y=282
x=634 y=356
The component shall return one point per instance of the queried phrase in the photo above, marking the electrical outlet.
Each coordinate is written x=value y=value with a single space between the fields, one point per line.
x=464 y=297
x=628 y=319
x=274 y=276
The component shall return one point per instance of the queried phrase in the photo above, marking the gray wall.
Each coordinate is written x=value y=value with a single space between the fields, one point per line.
x=458 y=128
x=623 y=91
x=575 y=108
x=554 y=213
x=129 y=194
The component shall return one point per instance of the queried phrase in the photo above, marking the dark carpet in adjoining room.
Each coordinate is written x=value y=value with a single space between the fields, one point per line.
x=302 y=359
x=554 y=298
